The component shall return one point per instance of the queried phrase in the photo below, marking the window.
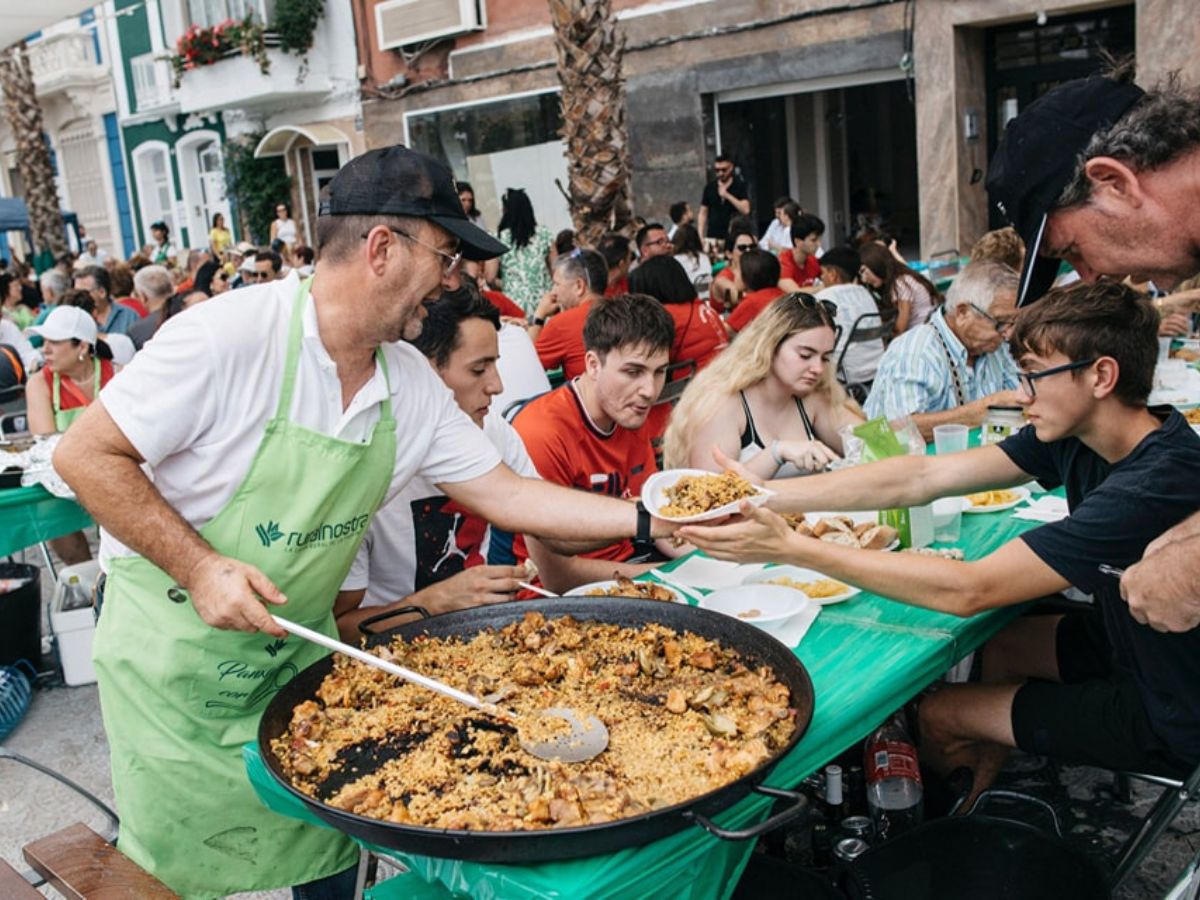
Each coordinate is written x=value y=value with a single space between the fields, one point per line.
x=453 y=135
x=207 y=13
x=151 y=82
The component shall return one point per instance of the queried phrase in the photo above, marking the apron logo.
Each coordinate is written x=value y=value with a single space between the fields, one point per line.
x=268 y=533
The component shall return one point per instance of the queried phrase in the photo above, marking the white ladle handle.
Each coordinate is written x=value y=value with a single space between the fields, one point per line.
x=391 y=668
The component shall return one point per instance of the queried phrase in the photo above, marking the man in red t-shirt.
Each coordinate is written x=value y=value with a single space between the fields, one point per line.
x=760 y=274
x=799 y=267
x=589 y=434
x=557 y=330
x=617 y=252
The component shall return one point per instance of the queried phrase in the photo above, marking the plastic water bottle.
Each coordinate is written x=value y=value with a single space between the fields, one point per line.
x=894 y=792
x=75 y=595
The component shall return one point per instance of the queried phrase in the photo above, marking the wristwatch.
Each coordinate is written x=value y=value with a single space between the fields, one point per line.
x=643 y=525
x=539 y=320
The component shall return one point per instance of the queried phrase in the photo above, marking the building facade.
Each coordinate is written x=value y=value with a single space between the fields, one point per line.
x=72 y=65
x=870 y=112
x=304 y=110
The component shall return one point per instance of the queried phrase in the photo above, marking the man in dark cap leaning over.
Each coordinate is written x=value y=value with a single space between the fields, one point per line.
x=1107 y=176
x=292 y=416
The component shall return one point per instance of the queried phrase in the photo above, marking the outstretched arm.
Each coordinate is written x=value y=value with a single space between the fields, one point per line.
x=104 y=469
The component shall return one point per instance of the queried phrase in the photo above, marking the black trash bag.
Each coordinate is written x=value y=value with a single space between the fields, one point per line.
x=20 y=614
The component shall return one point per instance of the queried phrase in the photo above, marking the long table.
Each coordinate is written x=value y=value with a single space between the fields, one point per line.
x=867 y=656
x=30 y=515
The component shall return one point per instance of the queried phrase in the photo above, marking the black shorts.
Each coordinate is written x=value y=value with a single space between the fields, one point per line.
x=1095 y=717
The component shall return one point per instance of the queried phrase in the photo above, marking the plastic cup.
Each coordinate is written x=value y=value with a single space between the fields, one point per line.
x=947 y=519
x=1164 y=348
x=950 y=438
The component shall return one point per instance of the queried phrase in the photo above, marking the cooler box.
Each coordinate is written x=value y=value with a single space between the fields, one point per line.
x=74 y=628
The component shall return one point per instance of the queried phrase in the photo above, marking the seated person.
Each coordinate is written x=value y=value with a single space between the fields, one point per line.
x=770 y=400
x=1093 y=687
x=580 y=279
x=472 y=272
x=689 y=252
x=1003 y=245
x=760 y=275
x=78 y=364
x=618 y=254
x=589 y=433
x=779 y=233
x=957 y=365
x=727 y=288
x=699 y=332
x=906 y=298
x=839 y=268
x=800 y=266
x=423 y=549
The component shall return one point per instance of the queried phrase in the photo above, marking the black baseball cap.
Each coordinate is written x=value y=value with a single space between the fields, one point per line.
x=397 y=181
x=1037 y=157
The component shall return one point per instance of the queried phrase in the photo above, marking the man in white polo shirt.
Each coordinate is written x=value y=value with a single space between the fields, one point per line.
x=272 y=423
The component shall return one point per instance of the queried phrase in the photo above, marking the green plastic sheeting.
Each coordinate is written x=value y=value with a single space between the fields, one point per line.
x=31 y=515
x=867 y=656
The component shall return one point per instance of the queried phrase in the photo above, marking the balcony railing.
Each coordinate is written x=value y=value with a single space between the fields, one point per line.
x=64 y=59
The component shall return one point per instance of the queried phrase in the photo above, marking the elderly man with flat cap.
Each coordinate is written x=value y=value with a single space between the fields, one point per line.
x=234 y=467
x=1107 y=176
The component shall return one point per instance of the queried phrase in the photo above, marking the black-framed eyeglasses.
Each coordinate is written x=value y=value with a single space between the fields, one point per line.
x=1000 y=326
x=1028 y=379
x=450 y=261
x=657 y=242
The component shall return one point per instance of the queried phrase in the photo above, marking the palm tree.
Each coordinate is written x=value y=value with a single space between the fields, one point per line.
x=590 y=47
x=33 y=156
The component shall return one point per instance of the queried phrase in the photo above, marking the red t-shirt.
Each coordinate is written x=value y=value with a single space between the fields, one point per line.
x=560 y=342
x=752 y=304
x=567 y=449
x=503 y=303
x=802 y=275
x=69 y=396
x=620 y=286
x=699 y=332
x=136 y=305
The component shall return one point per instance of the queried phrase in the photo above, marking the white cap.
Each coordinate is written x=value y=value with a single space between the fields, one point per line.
x=121 y=346
x=67 y=323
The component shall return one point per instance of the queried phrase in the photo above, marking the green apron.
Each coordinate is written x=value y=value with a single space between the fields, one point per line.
x=64 y=417
x=179 y=697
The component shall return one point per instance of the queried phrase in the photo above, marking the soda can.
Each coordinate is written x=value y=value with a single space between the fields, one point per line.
x=849 y=849
x=859 y=827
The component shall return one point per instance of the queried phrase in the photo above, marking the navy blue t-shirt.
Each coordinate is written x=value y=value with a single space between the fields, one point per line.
x=1116 y=510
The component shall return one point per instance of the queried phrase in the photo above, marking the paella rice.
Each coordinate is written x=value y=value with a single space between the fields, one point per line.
x=695 y=494
x=685 y=716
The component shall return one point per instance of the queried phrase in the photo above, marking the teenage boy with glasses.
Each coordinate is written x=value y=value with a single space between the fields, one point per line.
x=1092 y=687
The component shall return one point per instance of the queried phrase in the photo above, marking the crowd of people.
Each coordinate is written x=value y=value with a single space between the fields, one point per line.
x=385 y=381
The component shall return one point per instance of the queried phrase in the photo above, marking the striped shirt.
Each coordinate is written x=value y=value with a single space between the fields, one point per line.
x=915 y=377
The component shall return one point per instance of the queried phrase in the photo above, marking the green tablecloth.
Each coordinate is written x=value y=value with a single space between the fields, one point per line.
x=866 y=656
x=30 y=515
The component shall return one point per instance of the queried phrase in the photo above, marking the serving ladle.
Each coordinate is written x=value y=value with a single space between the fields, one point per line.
x=587 y=738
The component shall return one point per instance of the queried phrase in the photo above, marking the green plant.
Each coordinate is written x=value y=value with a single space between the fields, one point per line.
x=295 y=21
x=204 y=46
x=256 y=186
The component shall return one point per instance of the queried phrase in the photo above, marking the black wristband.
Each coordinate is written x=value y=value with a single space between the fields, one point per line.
x=539 y=321
x=643 y=525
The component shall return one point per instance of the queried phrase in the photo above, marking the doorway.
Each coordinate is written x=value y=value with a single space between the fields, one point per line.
x=202 y=178
x=1025 y=60
x=847 y=154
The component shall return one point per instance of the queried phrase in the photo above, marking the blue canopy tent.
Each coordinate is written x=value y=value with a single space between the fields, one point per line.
x=14 y=216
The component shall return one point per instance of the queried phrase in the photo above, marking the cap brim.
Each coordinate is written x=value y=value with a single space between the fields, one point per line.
x=475 y=243
x=1038 y=272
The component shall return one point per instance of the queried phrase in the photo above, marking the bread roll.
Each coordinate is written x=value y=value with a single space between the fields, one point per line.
x=845 y=538
x=878 y=537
